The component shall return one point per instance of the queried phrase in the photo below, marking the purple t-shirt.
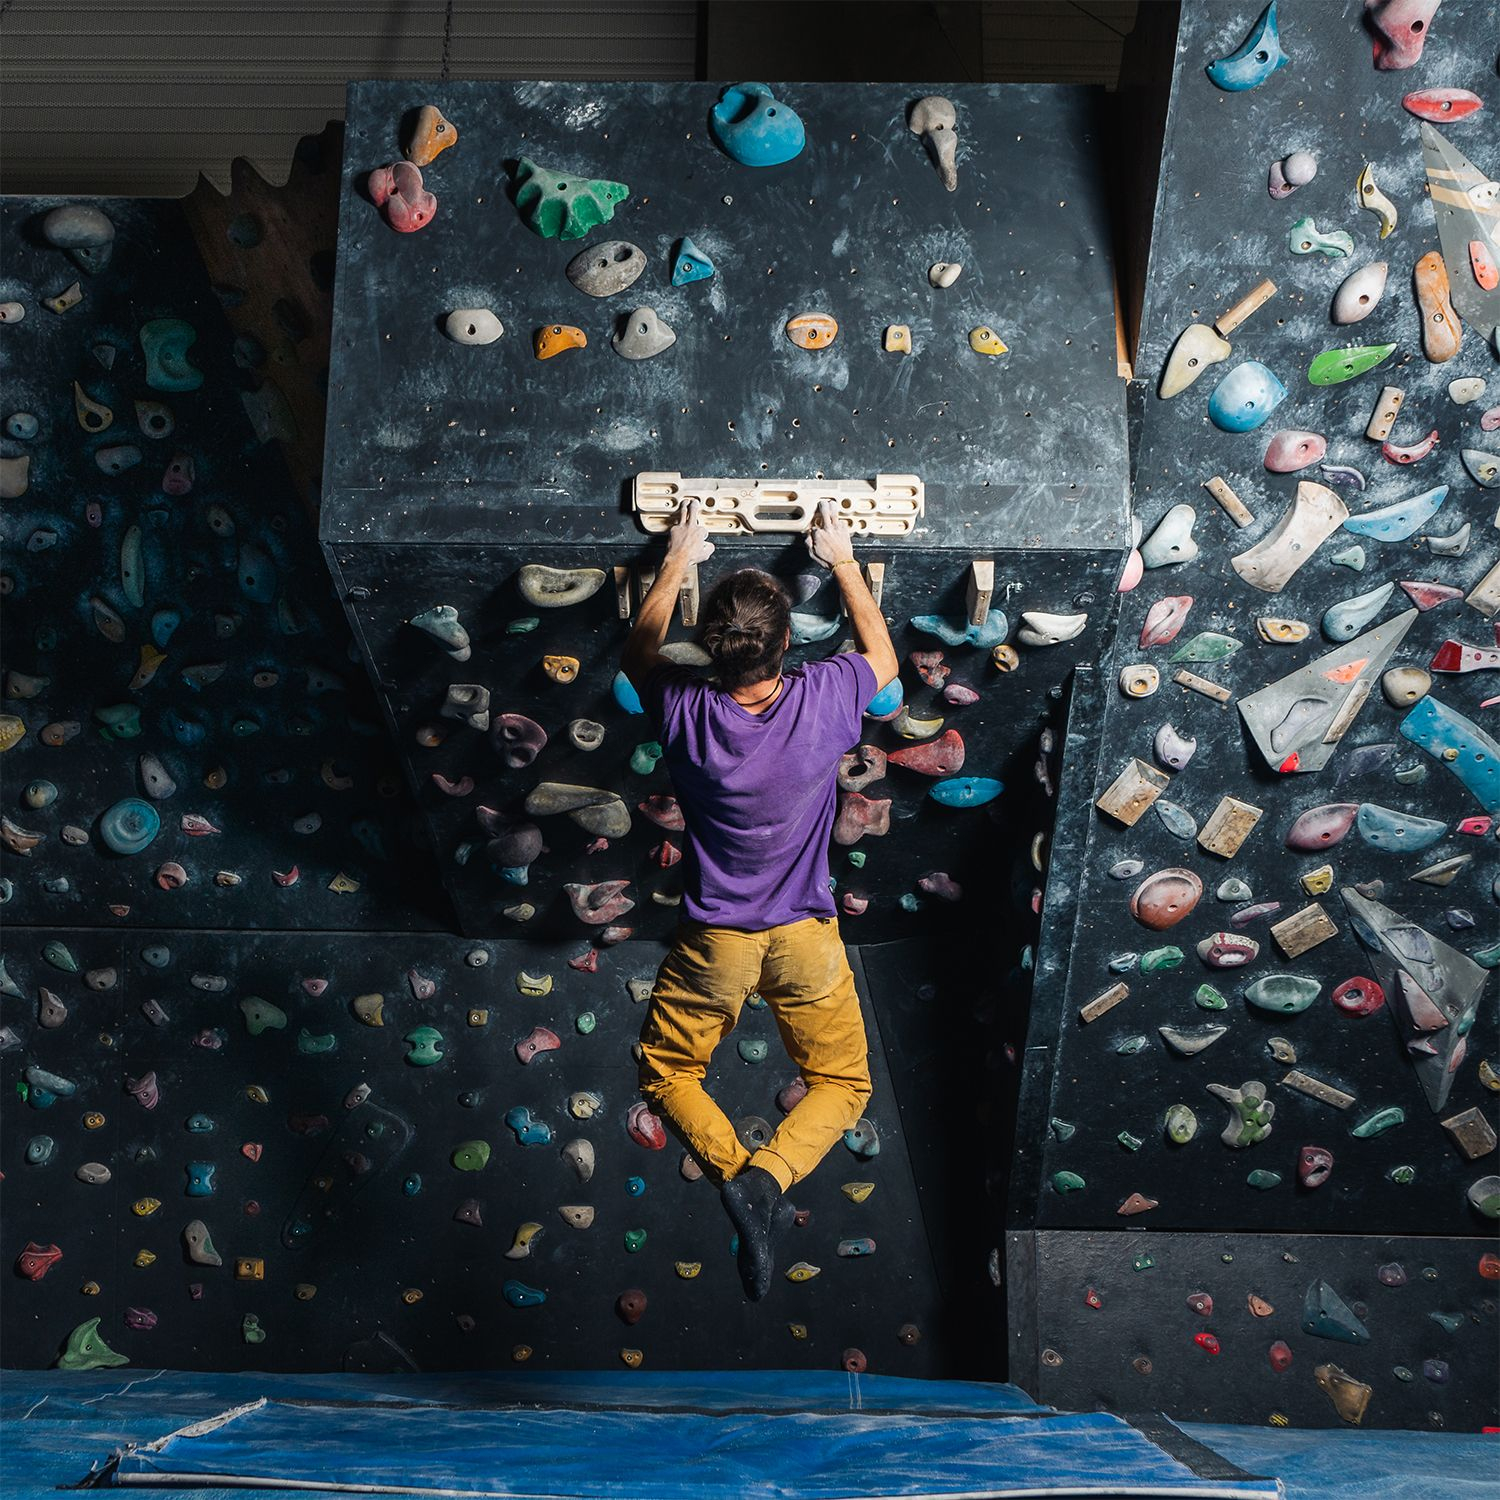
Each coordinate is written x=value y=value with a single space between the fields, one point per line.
x=758 y=790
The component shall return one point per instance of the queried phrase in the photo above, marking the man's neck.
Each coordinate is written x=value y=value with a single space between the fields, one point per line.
x=755 y=696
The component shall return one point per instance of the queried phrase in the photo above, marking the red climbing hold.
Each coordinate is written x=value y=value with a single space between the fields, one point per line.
x=586 y=963
x=664 y=812
x=791 y=1096
x=287 y=877
x=859 y=815
x=666 y=854
x=1206 y=1342
x=943 y=756
x=36 y=1260
x=1280 y=1356
x=251 y=1150
x=853 y=905
x=1093 y=1299
x=1201 y=1303
x=1430 y=595
x=930 y=668
x=854 y=1361
x=1314 y=1166
x=540 y=1040
x=631 y=1306
x=645 y=1129
x=398 y=190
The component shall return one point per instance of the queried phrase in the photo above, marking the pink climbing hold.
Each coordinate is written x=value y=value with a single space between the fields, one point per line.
x=663 y=811
x=1400 y=29
x=1479 y=825
x=1322 y=827
x=1165 y=619
x=460 y=788
x=422 y=988
x=1295 y=449
x=596 y=846
x=1132 y=573
x=1201 y=1303
x=959 y=695
x=178 y=478
x=599 y=903
x=251 y=1150
x=853 y=905
x=1396 y=454
x=854 y=1361
x=1136 y=1203
x=788 y=1098
x=859 y=767
x=943 y=886
x=398 y=191
x=859 y=815
x=36 y=1260
x=144 y=1090
x=1280 y=1356
x=666 y=854
x=943 y=756
x=1429 y=595
x=315 y=987
x=586 y=963
x=1314 y=1166
x=930 y=668
x=644 y=1128
x=286 y=877
x=540 y=1040
x=171 y=876
x=614 y=934
x=516 y=739
x=1490 y=421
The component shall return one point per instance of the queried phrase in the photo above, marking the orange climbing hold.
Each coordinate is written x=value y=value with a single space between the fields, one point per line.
x=1482 y=262
x=431 y=134
x=557 y=337
x=812 y=330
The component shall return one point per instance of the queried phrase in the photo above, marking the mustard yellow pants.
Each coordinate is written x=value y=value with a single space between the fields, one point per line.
x=802 y=974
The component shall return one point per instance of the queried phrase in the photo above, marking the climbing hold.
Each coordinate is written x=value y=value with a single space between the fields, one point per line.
x=518 y=1294
x=129 y=825
x=528 y=1130
x=1484 y=468
x=398 y=191
x=1360 y=292
x=984 y=340
x=812 y=330
x=1442 y=332
x=1314 y=1166
x=935 y=120
x=1305 y=238
x=1256 y=58
x=1409 y=453
x=473 y=326
x=1249 y=1112
x=690 y=264
x=863 y=1139
x=165 y=343
x=1181 y=1124
x=958 y=791
x=553 y=588
x=644 y=1128
x=1039 y=628
x=1379 y=1122
x=520 y=1245
x=1441 y=104
x=1292 y=450
x=516 y=739
x=939 y=757
x=424 y=1046
x=964 y=633
x=539 y=1040
x=430 y=134
x=755 y=128
x=802 y=1271
x=86 y=1350
x=1325 y=1315
x=641 y=335
x=897 y=339
x=1188 y=1041
x=1292 y=171
x=87 y=233
x=1286 y=994
x=557 y=337
x=1334 y=366
x=1165 y=898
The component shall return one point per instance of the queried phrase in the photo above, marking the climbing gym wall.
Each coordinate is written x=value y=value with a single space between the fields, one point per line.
x=587 y=286
x=1260 y=1085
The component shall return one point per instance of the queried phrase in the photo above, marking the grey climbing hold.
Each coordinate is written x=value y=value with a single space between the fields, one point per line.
x=1172 y=539
x=87 y=233
x=602 y=270
x=473 y=325
x=1191 y=1040
x=935 y=120
x=1173 y=749
x=441 y=622
x=642 y=335
x=553 y=588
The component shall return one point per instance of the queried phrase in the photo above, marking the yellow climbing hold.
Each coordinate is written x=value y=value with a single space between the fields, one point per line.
x=144 y=1258
x=521 y=1353
x=411 y=1296
x=12 y=732
x=802 y=1271
x=151 y=659
x=521 y=1246
x=343 y=884
x=561 y=669
x=984 y=340
x=857 y=1192
x=256 y=1094
x=898 y=339
x=688 y=1269
x=304 y=1291
x=632 y=1357
x=249 y=1268
x=479 y=1018
x=1318 y=882
x=797 y=1330
x=143 y=1208
x=93 y=1120
x=534 y=985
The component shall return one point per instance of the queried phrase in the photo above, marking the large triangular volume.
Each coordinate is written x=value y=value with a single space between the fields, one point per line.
x=1298 y=721
x=1467 y=205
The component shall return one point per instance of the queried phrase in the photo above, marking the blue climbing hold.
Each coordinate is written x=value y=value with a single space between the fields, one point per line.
x=164 y=624
x=626 y=695
x=200 y=1183
x=1394 y=523
x=966 y=791
x=1245 y=397
x=994 y=630
x=129 y=826
x=1385 y=828
x=1344 y=620
x=1256 y=58
x=690 y=263
x=886 y=702
x=515 y=874
x=635 y=1186
x=1461 y=745
x=518 y=1294
x=755 y=128
x=529 y=1130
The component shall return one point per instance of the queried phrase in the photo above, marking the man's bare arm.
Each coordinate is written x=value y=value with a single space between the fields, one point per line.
x=687 y=545
x=831 y=541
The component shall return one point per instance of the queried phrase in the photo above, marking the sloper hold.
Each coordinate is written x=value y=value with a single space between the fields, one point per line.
x=1325 y=1315
x=1336 y=685
x=1386 y=828
x=1245 y=398
x=755 y=128
x=642 y=335
x=1315 y=513
x=564 y=205
x=1395 y=523
x=602 y=270
x=1254 y=60
x=1335 y=366
x=1344 y=620
x=552 y=588
x=1457 y=742
x=1465 y=209
x=1434 y=993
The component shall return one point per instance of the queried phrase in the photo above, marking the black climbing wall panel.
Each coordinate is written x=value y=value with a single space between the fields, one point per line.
x=448 y=467
x=253 y=702
x=1098 y=1092
x=253 y=1074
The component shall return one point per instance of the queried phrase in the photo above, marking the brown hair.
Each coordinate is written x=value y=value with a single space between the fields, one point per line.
x=745 y=621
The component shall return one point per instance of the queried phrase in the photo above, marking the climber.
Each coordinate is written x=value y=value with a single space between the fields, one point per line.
x=753 y=751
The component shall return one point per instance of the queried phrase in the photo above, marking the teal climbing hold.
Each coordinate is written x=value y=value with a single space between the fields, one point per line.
x=529 y=1131
x=316 y=1046
x=518 y=1294
x=200 y=1183
x=257 y=574
x=564 y=205
x=1379 y=1122
x=756 y=128
x=1325 y=1315
x=1067 y=1182
x=129 y=826
x=994 y=630
x=165 y=343
x=1472 y=754
x=1385 y=828
x=690 y=263
x=1286 y=994
x=966 y=791
x=1254 y=60
x=634 y=1239
x=260 y=1015
x=635 y=1186
x=643 y=758
x=626 y=695
x=753 y=1049
x=1260 y=1178
x=424 y=1046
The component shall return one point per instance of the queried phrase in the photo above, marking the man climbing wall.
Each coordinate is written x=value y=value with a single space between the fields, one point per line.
x=753 y=755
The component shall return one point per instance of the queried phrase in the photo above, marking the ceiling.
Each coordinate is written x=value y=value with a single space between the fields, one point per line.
x=114 y=98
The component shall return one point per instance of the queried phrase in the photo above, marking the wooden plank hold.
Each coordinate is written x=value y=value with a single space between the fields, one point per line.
x=1132 y=792
x=1187 y=679
x=1256 y=297
x=1228 y=826
x=874 y=579
x=1102 y=1003
x=622 y=591
x=980 y=590
x=1471 y=1132
x=1232 y=505
x=1315 y=1088
x=645 y=578
x=687 y=597
x=1383 y=418
x=1303 y=930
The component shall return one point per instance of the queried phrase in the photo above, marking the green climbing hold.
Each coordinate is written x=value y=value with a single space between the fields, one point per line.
x=1156 y=959
x=522 y=626
x=1130 y=1045
x=1381 y=1121
x=518 y=1294
x=643 y=758
x=1209 y=998
x=1064 y=1130
x=1067 y=1182
x=1260 y=1178
x=1128 y=1141
x=1488 y=958
x=165 y=343
x=1181 y=1124
x=424 y=1045
x=1143 y=1263
x=563 y=205
x=250 y=1329
x=856 y=858
x=753 y=1050
x=85 y=1350
x=60 y=956
x=315 y=1046
x=118 y=721
x=1402 y=1176
x=260 y=1015
x=1207 y=645
x=634 y=1239
x=470 y=1156
x=1286 y=994
x=585 y=1023
x=1333 y=366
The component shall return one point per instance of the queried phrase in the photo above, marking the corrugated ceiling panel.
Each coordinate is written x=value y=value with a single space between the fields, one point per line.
x=136 y=100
